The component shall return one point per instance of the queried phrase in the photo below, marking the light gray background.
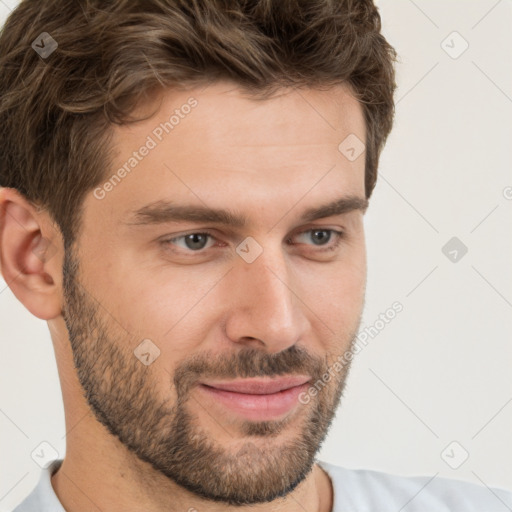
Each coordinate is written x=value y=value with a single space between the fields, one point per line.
x=440 y=371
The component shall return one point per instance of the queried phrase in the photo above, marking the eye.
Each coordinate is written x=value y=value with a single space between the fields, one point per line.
x=323 y=237
x=196 y=242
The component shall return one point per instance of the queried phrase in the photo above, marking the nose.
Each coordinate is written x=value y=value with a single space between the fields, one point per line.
x=265 y=307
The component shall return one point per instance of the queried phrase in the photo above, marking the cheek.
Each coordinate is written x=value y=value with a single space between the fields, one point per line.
x=178 y=307
x=339 y=296
x=343 y=297
x=168 y=307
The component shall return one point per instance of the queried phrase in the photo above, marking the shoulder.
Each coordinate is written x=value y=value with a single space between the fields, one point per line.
x=364 y=490
x=43 y=498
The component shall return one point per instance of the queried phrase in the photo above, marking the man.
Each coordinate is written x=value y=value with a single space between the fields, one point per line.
x=184 y=185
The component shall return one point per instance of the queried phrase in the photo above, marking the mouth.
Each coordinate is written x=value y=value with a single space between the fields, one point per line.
x=259 y=386
x=256 y=399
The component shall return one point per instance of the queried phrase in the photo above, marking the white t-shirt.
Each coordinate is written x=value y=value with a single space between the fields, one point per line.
x=355 y=490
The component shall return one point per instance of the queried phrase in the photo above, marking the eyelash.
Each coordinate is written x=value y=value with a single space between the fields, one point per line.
x=338 y=234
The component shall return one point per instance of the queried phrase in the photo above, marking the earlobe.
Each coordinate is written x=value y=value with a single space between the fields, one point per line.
x=29 y=254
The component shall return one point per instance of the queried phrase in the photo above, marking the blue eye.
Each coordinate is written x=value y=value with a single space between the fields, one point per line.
x=196 y=241
x=325 y=239
x=193 y=241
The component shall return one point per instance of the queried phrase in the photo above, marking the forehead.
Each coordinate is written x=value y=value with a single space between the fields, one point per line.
x=331 y=107
x=216 y=143
x=225 y=116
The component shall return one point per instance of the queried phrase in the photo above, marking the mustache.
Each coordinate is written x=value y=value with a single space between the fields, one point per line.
x=246 y=363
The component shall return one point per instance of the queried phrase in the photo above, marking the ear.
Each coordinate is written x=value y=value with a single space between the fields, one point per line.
x=31 y=250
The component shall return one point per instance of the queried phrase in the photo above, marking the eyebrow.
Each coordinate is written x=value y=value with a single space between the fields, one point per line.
x=166 y=211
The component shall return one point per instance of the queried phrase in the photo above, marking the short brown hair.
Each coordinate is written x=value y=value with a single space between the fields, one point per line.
x=56 y=112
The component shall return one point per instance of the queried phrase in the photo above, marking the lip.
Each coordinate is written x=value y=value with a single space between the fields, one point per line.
x=256 y=400
x=259 y=386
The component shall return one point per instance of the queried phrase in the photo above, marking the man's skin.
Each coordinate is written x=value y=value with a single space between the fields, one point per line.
x=269 y=160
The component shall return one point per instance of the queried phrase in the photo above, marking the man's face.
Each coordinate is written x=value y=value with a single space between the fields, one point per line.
x=274 y=297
